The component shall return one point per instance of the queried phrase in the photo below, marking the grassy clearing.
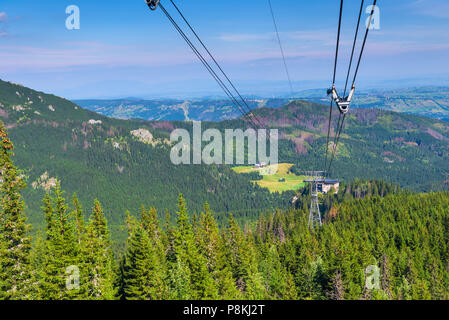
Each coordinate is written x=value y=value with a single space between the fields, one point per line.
x=272 y=182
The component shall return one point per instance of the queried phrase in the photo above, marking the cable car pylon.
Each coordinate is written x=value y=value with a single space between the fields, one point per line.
x=314 y=209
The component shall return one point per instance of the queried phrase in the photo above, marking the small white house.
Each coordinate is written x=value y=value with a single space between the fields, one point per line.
x=260 y=165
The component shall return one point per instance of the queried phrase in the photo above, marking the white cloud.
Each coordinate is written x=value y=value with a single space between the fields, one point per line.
x=315 y=35
x=3 y=20
x=244 y=37
x=67 y=55
x=3 y=16
x=434 y=8
x=319 y=35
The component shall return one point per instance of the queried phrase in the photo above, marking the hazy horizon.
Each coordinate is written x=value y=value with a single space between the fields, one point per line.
x=143 y=56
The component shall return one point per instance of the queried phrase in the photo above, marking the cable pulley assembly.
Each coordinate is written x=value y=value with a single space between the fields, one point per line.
x=343 y=102
x=153 y=4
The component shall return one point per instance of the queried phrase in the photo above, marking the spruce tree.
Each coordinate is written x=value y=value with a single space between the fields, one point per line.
x=37 y=262
x=277 y=279
x=150 y=224
x=243 y=262
x=201 y=281
x=136 y=267
x=77 y=215
x=180 y=282
x=143 y=268
x=211 y=246
x=15 y=244
x=61 y=250
x=99 y=257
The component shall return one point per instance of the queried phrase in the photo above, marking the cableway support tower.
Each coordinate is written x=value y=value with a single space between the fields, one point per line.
x=314 y=210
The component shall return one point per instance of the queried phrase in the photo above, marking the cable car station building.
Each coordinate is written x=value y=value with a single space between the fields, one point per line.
x=325 y=185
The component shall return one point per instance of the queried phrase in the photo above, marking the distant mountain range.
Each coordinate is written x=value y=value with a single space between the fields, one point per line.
x=172 y=109
x=426 y=101
x=431 y=102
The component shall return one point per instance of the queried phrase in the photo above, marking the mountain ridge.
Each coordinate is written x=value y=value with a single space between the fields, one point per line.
x=429 y=101
x=100 y=157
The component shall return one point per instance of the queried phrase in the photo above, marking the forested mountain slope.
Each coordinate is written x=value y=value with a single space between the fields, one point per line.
x=99 y=157
x=400 y=148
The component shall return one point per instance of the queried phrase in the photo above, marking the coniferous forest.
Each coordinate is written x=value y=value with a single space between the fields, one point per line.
x=377 y=242
x=223 y=159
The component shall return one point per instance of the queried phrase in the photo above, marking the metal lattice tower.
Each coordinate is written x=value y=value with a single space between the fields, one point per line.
x=314 y=211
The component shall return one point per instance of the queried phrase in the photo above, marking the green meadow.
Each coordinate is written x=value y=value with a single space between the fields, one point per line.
x=282 y=180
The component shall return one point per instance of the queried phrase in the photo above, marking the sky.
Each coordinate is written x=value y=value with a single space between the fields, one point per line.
x=123 y=49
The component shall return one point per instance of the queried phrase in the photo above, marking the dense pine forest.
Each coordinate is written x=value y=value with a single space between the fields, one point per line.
x=402 y=234
x=214 y=162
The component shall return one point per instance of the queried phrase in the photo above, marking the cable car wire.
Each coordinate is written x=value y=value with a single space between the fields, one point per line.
x=233 y=99
x=342 y=102
x=248 y=109
x=333 y=82
x=364 y=39
x=353 y=46
x=280 y=46
x=340 y=125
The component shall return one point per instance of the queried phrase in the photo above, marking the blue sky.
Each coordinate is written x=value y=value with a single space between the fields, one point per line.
x=124 y=49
